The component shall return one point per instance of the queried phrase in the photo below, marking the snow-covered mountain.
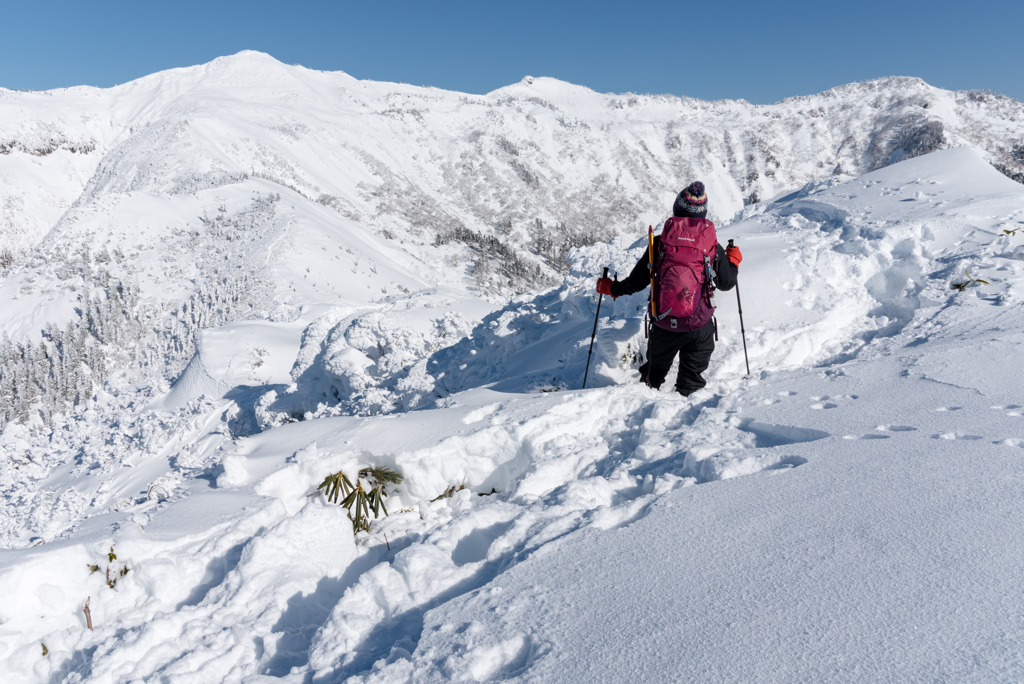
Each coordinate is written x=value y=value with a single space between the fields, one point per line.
x=248 y=189
x=259 y=274
x=421 y=162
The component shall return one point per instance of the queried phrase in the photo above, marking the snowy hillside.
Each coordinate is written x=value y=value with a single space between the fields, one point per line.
x=852 y=511
x=421 y=164
x=246 y=189
x=228 y=282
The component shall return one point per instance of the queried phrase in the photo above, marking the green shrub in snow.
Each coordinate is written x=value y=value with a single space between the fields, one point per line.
x=360 y=499
x=960 y=287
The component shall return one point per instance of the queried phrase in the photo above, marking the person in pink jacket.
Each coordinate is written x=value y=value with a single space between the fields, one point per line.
x=692 y=336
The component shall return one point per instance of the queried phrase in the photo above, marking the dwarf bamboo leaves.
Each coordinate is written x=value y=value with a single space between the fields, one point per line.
x=335 y=484
x=971 y=280
x=360 y=499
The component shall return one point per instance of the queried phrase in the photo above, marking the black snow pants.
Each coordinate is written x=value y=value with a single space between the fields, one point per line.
x=694 y=350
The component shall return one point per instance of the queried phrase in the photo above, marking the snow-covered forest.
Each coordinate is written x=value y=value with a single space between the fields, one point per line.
x=221 y=285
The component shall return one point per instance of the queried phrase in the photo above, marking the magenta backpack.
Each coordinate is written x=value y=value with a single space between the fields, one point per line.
x=683 y=296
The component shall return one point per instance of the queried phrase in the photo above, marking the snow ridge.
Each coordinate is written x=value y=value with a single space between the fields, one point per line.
x=537 y=149
x=280 y=274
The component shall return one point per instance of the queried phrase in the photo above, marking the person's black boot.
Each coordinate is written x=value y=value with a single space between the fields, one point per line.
x=643 y=372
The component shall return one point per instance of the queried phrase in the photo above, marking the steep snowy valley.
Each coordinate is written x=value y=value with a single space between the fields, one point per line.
x=230 y=281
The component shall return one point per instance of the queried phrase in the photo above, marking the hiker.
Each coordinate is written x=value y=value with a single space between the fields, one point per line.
x=680 y=282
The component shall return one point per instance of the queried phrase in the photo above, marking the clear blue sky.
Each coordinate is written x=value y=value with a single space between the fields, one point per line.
x=760 y=51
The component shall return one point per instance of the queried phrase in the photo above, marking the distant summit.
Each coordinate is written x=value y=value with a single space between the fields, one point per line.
x=541 y=161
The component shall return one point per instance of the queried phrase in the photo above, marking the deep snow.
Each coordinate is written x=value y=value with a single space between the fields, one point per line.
x=851 y=511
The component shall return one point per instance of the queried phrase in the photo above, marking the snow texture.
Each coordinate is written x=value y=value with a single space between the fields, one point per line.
x=265 y=274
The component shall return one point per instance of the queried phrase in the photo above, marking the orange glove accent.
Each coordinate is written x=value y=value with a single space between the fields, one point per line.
x=604 y=286
x=734 y=254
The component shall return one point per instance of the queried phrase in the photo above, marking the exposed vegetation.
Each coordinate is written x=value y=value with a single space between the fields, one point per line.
x=971 y=280
x=367 y=494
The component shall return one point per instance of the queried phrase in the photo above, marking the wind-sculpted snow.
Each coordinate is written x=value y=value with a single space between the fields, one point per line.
x=862 y=484
x=488 y=193
x=860 y=261
x=553 y=471
x=368 y=363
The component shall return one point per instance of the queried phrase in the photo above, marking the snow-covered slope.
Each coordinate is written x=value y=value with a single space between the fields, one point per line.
x=419 y=162
x=246 y=189
x=234 y=279
x=850 y=511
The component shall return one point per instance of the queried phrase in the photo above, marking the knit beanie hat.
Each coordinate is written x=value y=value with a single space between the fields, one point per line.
x=691 y=202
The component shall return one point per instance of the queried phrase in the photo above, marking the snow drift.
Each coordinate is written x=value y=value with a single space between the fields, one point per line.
x=849 y=511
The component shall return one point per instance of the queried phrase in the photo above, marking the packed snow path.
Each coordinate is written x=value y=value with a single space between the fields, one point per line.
x=881 y=551
x=874 y=533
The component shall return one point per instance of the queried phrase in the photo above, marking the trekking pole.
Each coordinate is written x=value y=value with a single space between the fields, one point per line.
x=743 y=333
x=594 y=334
x=650 y=266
